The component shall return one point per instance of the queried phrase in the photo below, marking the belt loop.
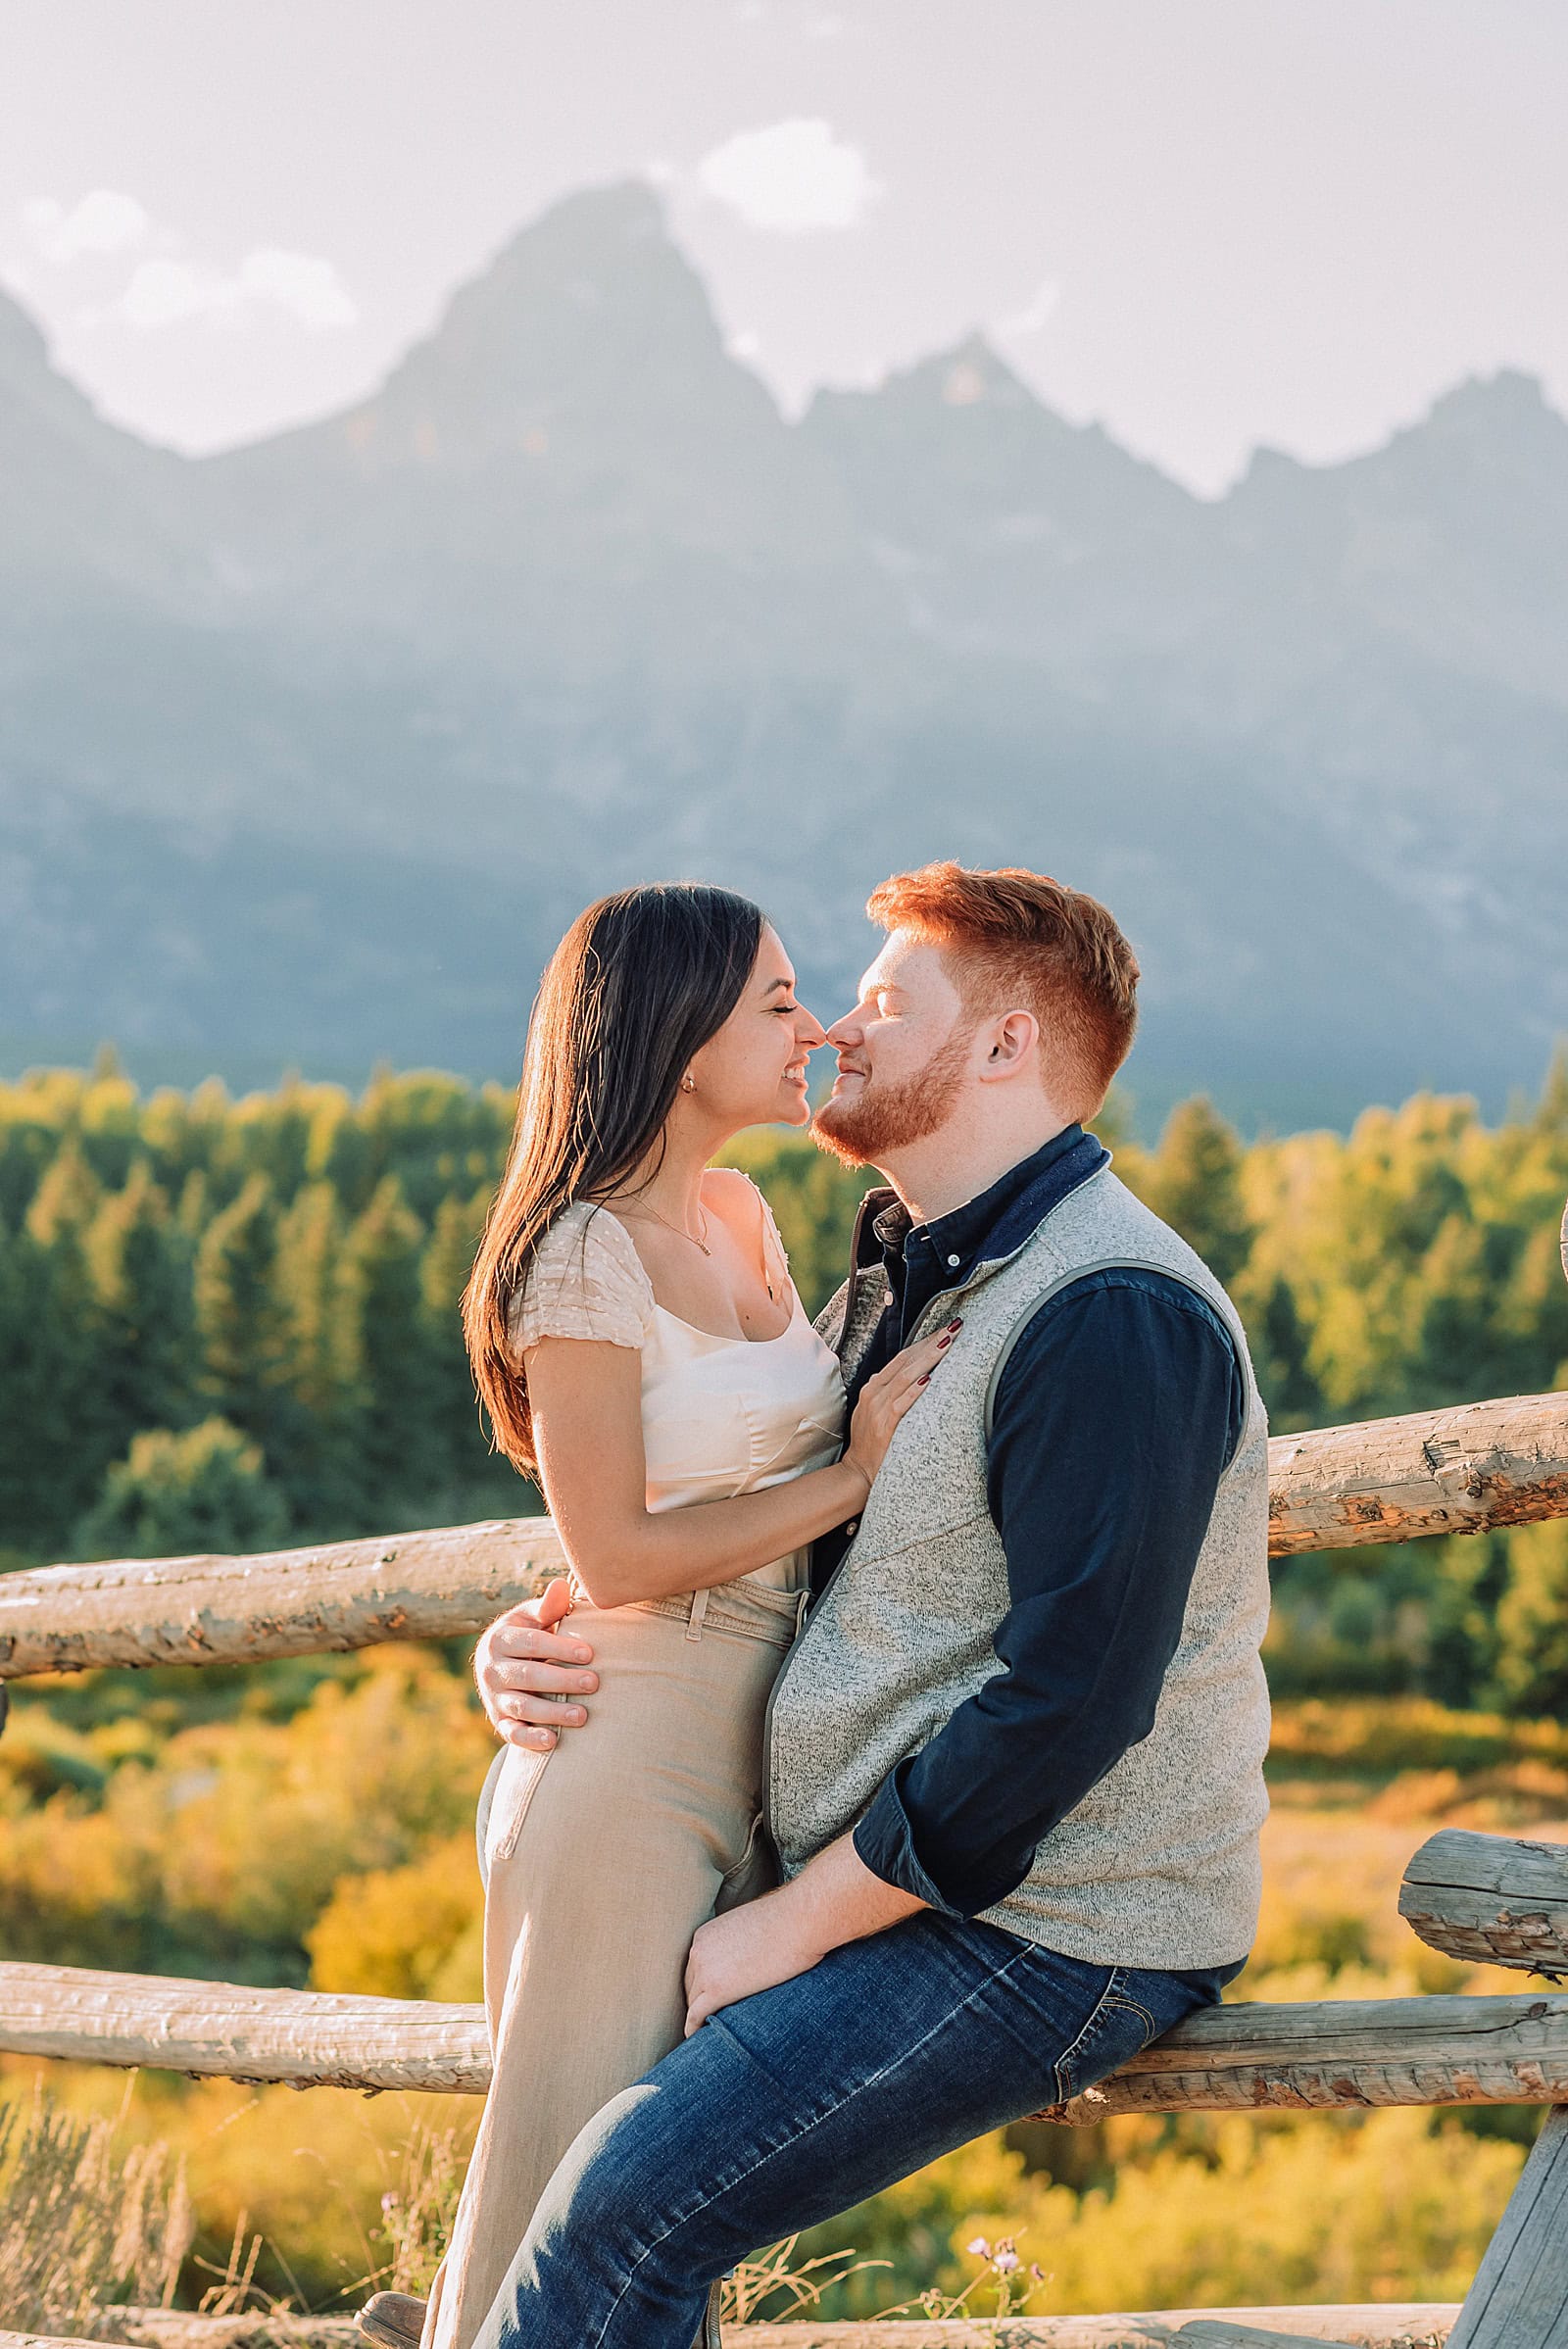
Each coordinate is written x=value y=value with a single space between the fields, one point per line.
x=694 y=1619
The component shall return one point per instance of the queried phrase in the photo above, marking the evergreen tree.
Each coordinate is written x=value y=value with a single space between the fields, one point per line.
x=1194 y=1182
x=37 y=1366
x=444 y=1269
x=323 y=1472
x=71 y=1431
x=242 y=1323
x=1532 y=1667
x=140 y=1266
x=1551 y=1115
x=1280 y=1344
x=399 y=1384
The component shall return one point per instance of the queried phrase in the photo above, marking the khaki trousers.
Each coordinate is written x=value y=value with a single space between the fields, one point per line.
x=603 y=1857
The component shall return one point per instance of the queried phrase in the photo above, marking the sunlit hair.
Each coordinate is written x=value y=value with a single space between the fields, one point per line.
x=639 y=983
x=1020 y=938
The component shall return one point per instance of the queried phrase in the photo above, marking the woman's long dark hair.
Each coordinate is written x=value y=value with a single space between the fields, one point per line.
x=639 y=983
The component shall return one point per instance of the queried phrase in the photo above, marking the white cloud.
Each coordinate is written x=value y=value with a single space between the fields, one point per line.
x=101 y=222
x=169 y=288
x=161 y=293
x=305 y=284
x=791 y=178
x=168 y=292
x=1034 y=315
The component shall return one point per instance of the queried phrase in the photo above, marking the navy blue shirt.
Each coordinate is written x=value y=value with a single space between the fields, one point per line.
x=1119 y=1411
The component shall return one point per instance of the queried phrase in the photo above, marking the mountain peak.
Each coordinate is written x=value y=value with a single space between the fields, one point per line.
x=590 y=308
x=594 y=246
x=1506 y=412
x=23 y=347
x=970 y=374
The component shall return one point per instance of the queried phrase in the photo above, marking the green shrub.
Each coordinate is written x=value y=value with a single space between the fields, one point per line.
x=206 y=1490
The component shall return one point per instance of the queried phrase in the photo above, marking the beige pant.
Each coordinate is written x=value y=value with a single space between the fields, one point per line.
x=602 y=1858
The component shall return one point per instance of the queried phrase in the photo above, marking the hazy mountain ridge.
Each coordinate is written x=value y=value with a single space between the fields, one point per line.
x=569 y=602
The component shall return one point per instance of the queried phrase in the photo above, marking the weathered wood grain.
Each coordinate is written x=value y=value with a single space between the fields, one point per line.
x=1211 y=2332
x=1390 y=2325
x=1344 y=2053
x=1351 y=2053
x=308 y=2039
x=1519 y=2299
x=436 y=1584
x=1389 y=1480
x=1459 y=1471
x=39 y=2340
x=1496 y=1900
x=1412 y=2327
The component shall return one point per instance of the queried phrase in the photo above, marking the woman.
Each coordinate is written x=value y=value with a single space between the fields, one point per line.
x=640 y=1347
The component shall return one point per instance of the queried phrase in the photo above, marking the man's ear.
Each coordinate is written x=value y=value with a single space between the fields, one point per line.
x=1013 y=1043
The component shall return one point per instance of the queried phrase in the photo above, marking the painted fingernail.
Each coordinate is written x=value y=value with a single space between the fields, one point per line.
x=924 y=1382
x=956 y=1325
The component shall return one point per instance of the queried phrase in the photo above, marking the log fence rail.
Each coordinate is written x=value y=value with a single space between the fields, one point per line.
x=1468 y=1470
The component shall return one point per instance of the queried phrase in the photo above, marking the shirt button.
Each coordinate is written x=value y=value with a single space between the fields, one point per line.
x=853 y=1526
x=953 y=1263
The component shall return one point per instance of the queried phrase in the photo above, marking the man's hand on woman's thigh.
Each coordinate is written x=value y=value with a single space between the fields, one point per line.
x=531 y=1676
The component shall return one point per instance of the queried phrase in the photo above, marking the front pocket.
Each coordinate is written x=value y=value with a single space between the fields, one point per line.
x=521 y=1773
x=755 y=1873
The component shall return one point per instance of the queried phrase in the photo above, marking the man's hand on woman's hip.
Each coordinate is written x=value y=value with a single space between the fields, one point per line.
x=531 y=1676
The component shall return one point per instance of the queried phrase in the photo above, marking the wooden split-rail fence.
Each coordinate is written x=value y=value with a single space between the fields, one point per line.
x=1499 y=1899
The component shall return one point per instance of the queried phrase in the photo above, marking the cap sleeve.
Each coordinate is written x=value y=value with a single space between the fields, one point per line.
x=586 y=1280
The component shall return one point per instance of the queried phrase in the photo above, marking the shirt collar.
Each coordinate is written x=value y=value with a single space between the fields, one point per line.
x=1001 y=1218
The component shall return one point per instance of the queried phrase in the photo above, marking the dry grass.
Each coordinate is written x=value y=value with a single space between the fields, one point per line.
x=83 y=2224
x=418 y=2211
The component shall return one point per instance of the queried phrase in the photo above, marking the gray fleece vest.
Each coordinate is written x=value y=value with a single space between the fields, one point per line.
x=1157 y=1866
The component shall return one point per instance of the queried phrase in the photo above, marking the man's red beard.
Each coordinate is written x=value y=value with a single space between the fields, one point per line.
x=882 y=1119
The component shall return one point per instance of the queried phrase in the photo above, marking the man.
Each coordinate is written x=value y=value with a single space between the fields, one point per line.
x=1016 y=1777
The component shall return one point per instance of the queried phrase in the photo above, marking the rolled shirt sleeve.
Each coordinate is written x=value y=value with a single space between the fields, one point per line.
x=1118 y=1412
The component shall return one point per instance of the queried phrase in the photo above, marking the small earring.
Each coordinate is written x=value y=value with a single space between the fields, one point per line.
x=688 y=1083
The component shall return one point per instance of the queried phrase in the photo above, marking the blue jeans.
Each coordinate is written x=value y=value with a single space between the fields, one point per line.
x=789 y=2107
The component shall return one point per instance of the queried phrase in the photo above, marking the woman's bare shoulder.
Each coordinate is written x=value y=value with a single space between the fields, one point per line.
x=742 y=1204
x=726 y=1188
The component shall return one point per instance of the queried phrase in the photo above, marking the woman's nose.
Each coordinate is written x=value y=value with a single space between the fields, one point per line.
x=809 y=1030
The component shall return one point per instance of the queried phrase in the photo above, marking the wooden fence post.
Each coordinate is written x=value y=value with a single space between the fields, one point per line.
x=1519 y=2299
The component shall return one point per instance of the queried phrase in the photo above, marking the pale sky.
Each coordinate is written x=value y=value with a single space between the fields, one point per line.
x=1208 y=224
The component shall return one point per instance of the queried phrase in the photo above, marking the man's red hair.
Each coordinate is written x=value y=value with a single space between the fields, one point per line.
x=1020 y=938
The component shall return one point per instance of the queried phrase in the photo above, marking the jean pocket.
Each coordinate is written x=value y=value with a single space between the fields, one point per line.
x=1121 y=2028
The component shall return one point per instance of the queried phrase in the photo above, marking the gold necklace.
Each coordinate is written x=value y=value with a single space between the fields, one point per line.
x=680 y=1232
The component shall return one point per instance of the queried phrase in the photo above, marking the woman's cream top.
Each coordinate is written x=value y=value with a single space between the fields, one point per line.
x=721 y=1415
